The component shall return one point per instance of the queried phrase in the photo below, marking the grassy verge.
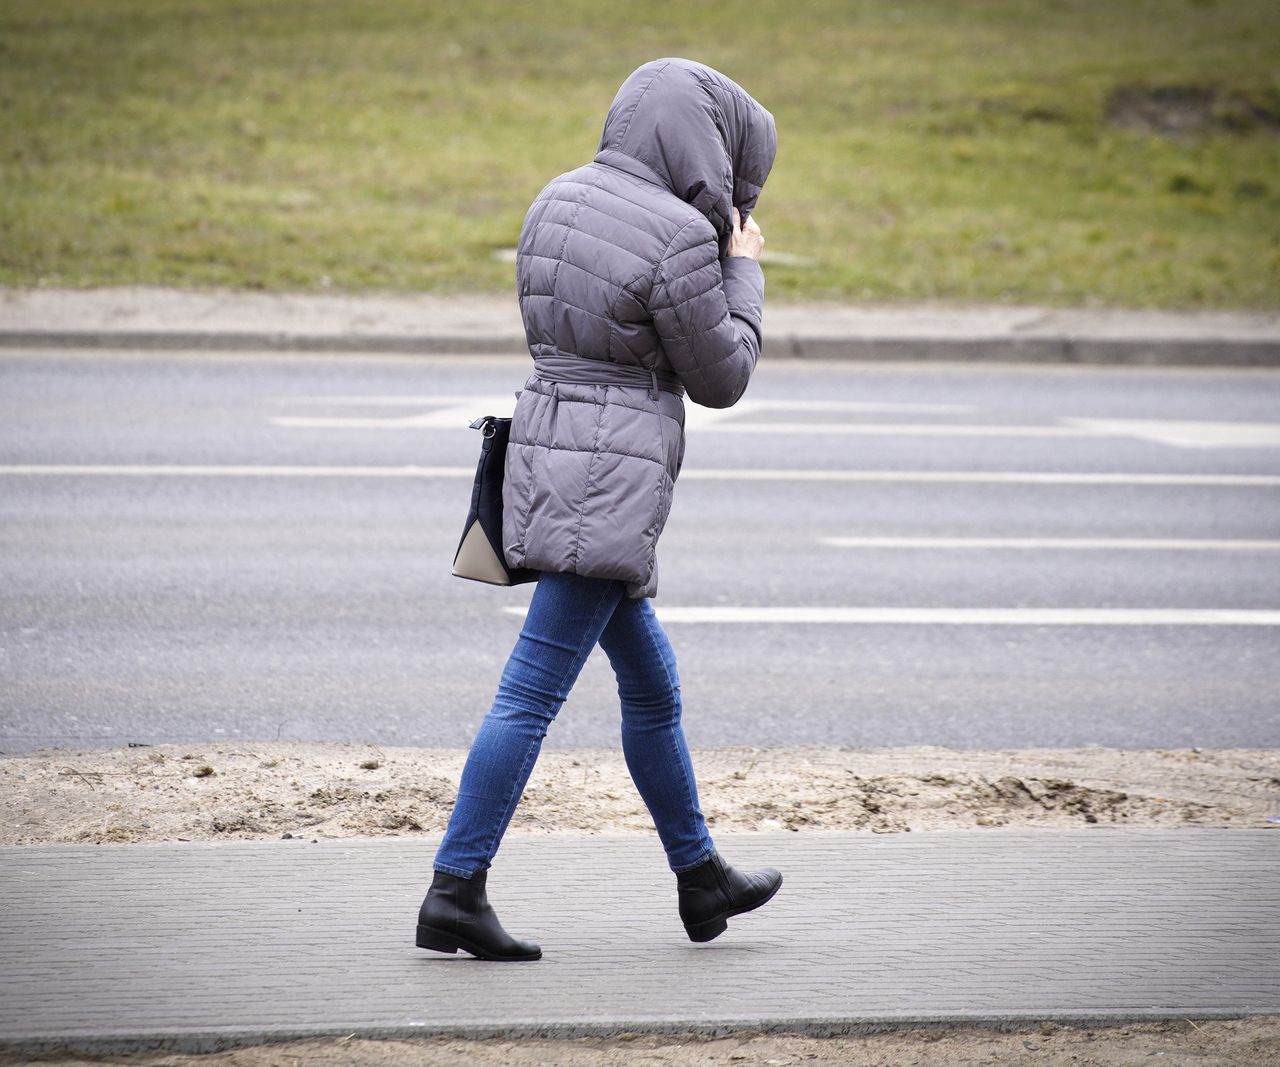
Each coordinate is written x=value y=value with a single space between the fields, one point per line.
x=928 y=149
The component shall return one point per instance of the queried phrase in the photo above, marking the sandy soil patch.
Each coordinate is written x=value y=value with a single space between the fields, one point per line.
x=225 y=792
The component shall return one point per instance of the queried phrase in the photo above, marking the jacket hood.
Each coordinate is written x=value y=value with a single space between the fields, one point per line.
x=699 y=133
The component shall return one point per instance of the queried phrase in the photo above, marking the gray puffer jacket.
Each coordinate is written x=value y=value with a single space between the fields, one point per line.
x=627 y=303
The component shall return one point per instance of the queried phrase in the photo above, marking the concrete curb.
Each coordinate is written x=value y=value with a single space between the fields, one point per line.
x=211 y=320
x=233 y=341
x=1067 y=350
x=1097 y=351
x=201 y=1042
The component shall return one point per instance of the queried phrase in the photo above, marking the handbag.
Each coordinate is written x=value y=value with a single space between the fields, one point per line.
x=479 y=556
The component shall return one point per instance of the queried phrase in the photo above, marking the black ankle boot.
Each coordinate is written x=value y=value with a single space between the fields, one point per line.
x=713 y=892
x=456 y=915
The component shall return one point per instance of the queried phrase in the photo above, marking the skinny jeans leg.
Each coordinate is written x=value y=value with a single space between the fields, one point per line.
x=653 y=740
x=566 y=616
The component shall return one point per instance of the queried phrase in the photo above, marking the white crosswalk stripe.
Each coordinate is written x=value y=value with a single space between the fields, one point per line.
x=257 y=470
x=873 y=616
x=1146 y=544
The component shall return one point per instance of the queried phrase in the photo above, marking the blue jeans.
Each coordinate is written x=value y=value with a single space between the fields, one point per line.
x=567 y=616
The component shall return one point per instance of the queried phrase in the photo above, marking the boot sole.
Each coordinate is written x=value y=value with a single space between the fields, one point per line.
x=710 y=929
x=439 y=941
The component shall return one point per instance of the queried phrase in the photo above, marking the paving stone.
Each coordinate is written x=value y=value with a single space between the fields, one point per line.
x=203 y=946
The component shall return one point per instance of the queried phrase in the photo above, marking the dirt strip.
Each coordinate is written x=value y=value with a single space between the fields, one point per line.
x=218 y=792
x=1252 y=1042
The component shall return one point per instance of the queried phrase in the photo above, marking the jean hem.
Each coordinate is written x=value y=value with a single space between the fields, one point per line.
x=697 y=863
x=457 y=872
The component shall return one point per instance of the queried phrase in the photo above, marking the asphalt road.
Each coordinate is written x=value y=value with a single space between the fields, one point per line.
x=227 y=547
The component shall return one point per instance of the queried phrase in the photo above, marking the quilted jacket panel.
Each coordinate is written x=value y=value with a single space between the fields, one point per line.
x=622 y=284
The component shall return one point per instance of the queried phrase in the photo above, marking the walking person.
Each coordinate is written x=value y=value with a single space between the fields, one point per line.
x=638 y=281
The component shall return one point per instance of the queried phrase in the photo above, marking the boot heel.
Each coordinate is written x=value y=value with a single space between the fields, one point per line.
x=434 y=939
x=706 y=931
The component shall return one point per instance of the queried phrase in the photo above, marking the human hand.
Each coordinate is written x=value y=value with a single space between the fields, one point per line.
x=746 y=240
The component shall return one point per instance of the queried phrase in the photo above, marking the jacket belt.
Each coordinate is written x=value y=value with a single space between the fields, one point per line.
x=556 y=368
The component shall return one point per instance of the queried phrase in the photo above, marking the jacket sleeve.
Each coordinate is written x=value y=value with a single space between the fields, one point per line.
x=707 y=312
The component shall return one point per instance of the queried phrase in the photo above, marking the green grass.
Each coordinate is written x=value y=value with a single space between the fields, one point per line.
x=929 y=149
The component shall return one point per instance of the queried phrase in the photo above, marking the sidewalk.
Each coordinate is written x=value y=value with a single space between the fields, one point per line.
x=178 y=319
x=198 y=947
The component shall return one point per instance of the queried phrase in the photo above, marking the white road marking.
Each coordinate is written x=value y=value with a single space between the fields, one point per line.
x=1172 y=433
x=977 y=477
x=1187 y=434
x=898 y=429
x=967 y=616
x=398 y=400
x=1136 y=543
x=452 y=411
x=427 y=420
x=234 y=470
x=698 y=418
x=741 y=407
x=447 y=413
